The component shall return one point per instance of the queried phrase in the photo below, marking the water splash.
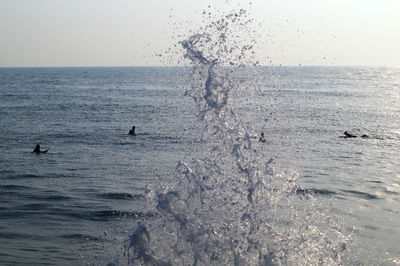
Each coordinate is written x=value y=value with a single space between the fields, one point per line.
x=231 y=207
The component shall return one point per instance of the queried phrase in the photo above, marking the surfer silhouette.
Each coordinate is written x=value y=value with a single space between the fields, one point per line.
x=262 y=138
x=37 y=149
x=348 y=135
x=132 y=131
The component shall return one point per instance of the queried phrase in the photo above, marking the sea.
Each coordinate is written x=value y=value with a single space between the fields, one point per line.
x=197 y=184
x=100 y=196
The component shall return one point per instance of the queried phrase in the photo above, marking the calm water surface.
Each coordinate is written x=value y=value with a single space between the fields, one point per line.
x=78 y=203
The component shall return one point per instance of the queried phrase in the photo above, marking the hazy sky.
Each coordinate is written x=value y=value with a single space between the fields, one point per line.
x=131 y=32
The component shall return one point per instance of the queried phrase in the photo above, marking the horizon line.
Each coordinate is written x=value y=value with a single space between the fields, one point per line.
x=166 y=66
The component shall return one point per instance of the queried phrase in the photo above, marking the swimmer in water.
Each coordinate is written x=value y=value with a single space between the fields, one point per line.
x=348 y=135
x=132 y=131
x=37 y=149
x=262 y=138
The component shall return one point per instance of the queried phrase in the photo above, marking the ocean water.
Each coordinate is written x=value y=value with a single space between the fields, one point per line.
x=87 y=200
x=63 y=207
x=195 y=186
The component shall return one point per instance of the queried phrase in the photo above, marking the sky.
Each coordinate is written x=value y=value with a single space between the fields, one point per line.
x=134 y=32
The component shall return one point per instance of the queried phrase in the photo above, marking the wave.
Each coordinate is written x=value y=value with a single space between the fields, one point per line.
x=34 y=207
x=360 y=194
x=343 y=192
x=48 y=175
x=121 y=196
x=314 y=191
x=53 y=212
x=9 y=187
x=23 y=176
x=105 y=215
x=48 y=198
x=82 y=237
x=25 y=236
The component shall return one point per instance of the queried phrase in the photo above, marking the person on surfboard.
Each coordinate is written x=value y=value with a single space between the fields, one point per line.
x=348 y=135
x=37 y=149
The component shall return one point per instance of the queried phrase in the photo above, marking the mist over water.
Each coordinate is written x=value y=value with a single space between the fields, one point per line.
x=232 y=206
